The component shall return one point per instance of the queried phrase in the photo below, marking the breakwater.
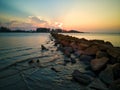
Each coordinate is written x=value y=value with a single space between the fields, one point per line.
x=101 y=58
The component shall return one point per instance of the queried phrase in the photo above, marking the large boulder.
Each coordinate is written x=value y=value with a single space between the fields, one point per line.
x=91 y=50
x=69 y=49
x=78 y=52
x=114 y=52
x=67 y=53
x=103 y=47
x=90 y=73
x=97 y=84
x=86 y=59
x=100 y=54
x=83 y=46
x=107 y=75
x=116 y=71
x=108 y=43
x=97 y=41
x=81 y=78
x=111 y=73
x=98 y=63
x=64 y=43
x=115 y=85
x=74 y=45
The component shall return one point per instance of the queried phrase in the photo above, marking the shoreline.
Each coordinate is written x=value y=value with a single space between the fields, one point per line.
x=101 y=58
x=64 y=61
x=113 y=38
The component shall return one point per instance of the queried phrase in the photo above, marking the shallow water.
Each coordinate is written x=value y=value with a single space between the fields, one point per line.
x=17 y=49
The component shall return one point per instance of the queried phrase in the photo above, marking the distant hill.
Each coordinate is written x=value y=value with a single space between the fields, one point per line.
x=74 y=31
x=43 y=30
x=39 y=30
x=4 y=29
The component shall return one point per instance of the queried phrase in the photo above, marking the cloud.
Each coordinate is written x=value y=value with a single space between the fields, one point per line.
x=15 y=24
x=36 y=20
x=31 y=23
x=58 y=25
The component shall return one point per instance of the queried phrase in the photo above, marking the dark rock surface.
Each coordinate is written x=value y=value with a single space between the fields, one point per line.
x=81 y=78
x=98 y=63
x=115 y=85
x=102 y=60
x=111 y=73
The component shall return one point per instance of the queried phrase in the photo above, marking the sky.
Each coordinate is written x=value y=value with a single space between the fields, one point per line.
x=83 y=15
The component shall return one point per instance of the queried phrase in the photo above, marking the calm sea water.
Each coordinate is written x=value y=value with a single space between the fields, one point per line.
x=17 y=49
x=19 y=46
x=114 y=38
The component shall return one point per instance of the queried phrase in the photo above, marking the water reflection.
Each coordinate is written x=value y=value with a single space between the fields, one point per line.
x=113 y=38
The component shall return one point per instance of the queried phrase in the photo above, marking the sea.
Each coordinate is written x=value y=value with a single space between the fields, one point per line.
x=18 y=50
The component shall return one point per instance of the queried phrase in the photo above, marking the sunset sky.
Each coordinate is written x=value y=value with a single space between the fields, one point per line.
x=83 y=15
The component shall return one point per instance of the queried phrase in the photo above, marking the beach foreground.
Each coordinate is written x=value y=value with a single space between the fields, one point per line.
x=61 y=63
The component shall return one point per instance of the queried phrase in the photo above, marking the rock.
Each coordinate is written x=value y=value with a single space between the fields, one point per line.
x=86 y=59
x=38 y=61
x=69 y=49
x=83 y=46
x=111 y=73
x=54 y=69
x=118 y=59
x=115 y=85
x=67 y=53
x=78 y=53
x=116 y=71
x=81 y=78
x=65 y=43
x=73 y=56
x=66 y=60
x=103 y=47
x=96 y=85
x=100 y=54
x=112 y=60
x=88 y=67
x=73 y=61
x=90 y=73
x=98 y=63
x=31 y=61
x=91 y=50
x=60 y=48
x=109 y=43
x=43 y=48
x=56 y=43
x=97 y=41
x=107 y=75
x=114 y=52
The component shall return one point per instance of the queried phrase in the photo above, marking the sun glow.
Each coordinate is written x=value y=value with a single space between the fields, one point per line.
x=84 y=15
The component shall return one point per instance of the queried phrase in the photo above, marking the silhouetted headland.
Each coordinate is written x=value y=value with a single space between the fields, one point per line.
x=38 y=30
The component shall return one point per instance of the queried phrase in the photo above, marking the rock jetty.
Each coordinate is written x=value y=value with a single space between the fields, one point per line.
x=101 y=58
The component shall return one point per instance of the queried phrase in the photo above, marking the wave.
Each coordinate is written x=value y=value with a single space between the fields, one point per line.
x=19 y=61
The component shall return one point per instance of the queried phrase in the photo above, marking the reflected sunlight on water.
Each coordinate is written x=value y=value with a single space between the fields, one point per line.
x=113 y=38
